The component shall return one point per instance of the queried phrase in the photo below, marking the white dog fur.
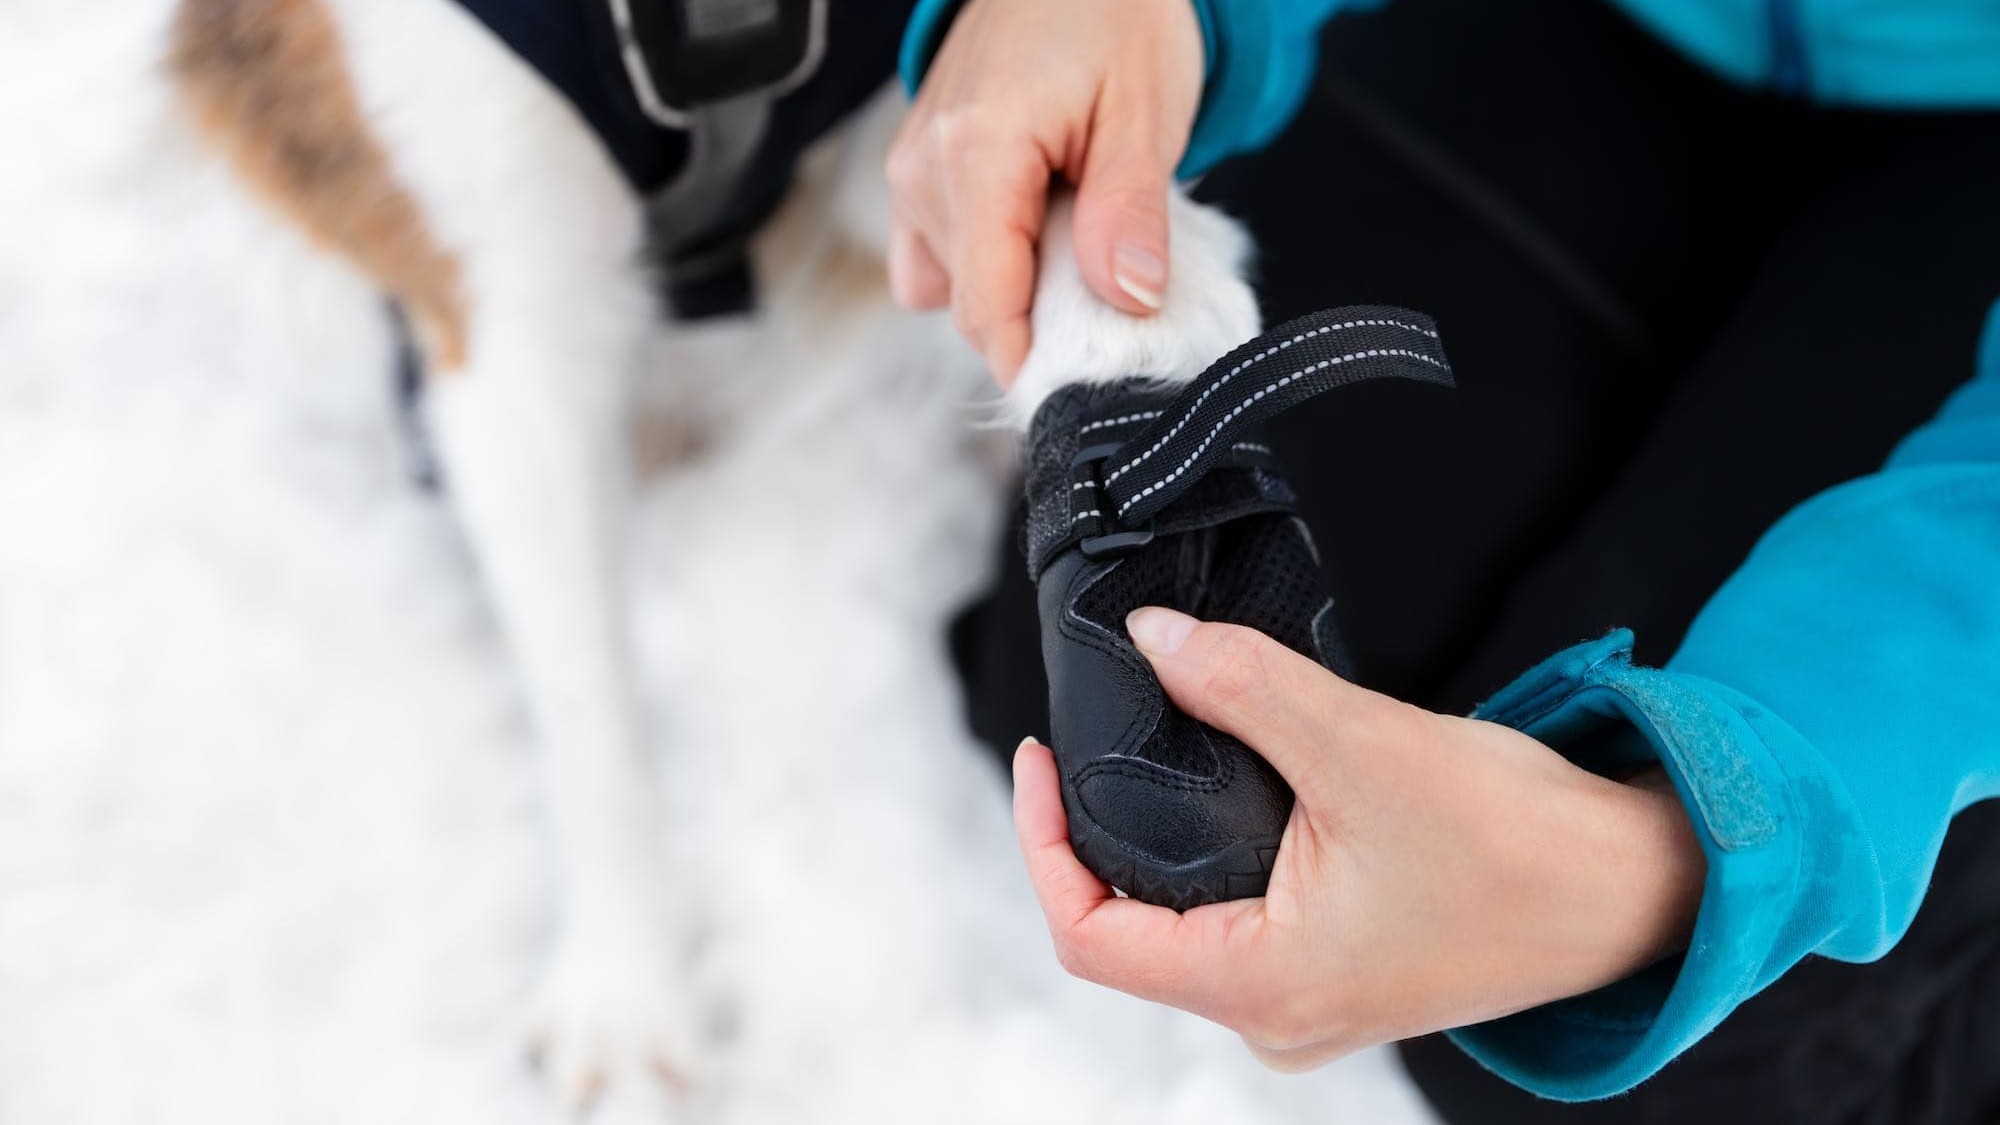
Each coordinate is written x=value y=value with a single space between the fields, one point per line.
x=1208 y=309
x=532 y=436
x=271 y=830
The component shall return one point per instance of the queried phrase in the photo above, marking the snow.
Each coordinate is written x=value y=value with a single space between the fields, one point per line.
x=271 y=838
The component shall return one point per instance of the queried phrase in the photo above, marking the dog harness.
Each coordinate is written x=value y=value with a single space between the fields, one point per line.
x=705 y=106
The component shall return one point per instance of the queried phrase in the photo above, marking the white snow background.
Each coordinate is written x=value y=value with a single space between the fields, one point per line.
x=271 y=841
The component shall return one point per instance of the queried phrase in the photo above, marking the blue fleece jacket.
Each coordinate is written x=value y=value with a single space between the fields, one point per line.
x=1832 y=708
x=1890 y=53
x=1838 y=701
x=1259 y=60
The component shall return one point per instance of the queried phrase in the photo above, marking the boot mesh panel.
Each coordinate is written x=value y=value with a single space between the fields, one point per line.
x=1257 y=571
x=1275 y=587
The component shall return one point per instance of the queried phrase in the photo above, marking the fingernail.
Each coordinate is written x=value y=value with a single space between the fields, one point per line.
x=1139 y=272
x=1158 y=631
x=1025 y=743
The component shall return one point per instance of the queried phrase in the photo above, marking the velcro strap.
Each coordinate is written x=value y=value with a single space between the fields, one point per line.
x=1121 y=480
x=1272 y=373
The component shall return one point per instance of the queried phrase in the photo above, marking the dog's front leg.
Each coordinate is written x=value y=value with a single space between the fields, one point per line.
x=404 y=138
x=532 y=437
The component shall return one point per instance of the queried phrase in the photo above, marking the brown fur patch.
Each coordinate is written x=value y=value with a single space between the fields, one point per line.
x=267 y=81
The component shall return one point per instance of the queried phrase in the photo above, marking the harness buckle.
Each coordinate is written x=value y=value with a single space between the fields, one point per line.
x=682 y=55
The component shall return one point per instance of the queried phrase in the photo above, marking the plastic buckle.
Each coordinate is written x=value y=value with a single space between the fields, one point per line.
x=1116 y=540
x=684 y=55
x=1115 y=543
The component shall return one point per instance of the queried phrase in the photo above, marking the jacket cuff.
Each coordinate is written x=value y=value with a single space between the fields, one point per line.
x=1740 y=771
x=929 y=20
x=1227 y=93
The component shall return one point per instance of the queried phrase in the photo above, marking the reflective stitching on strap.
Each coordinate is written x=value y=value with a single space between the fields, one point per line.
x=1247 y=365
x=1105 y=423
x=1201 y=430
x=1245 y=405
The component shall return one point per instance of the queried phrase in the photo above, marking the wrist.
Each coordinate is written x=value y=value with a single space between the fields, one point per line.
x=1639 y=884
x=1600 y=879
x=1561 y=882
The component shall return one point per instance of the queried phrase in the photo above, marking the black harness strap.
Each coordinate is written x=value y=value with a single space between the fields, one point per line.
x=640 y=70
x=705 y=106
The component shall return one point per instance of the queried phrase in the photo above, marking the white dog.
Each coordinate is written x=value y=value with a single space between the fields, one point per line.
x=402 y=137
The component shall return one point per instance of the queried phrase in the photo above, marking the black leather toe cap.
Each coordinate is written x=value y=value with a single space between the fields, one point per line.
x=1175 y=819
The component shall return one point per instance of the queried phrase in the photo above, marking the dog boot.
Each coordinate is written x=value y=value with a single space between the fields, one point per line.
x=1142 y=493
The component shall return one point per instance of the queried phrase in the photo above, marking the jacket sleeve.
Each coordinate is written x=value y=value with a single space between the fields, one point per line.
x=1832 y=708
x=1260 y=56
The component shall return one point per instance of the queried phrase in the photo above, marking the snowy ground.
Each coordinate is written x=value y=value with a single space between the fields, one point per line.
x=270 y=833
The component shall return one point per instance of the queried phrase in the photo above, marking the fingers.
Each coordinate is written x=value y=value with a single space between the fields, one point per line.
x=995 y=218
x=1148 y=951
x=1281 y=704
x=916 y=279
x=1121 y=209
x=1067 y=891
x=1104 y=96
x=969 y=203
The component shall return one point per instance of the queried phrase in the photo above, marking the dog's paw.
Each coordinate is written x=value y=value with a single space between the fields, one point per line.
x=612 y=1015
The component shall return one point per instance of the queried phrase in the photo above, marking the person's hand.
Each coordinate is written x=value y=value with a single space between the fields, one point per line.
x=1436 y=872
x=1100 y=92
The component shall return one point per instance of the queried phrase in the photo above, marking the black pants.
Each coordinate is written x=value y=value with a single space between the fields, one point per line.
x=1676 y=310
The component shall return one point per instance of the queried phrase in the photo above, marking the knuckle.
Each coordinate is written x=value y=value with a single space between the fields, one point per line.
x=1278 y=1032
x=1291 y=1035
x=1070 y=955
x=1288 y=1021
x=1283 y=1062
x=919 y=287
x=1269 y=1058
x=970 y=323
x=907 y=169
x=960 y=131
x=1145 y=202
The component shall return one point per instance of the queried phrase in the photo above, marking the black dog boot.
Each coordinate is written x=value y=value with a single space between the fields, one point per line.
x=1143 y=494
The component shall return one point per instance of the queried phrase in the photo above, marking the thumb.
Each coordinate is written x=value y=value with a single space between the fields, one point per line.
x=1281 y=704
x=1121 y=211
